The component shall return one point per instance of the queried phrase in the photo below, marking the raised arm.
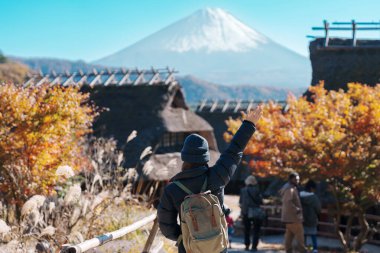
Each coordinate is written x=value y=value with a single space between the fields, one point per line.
x=226 y=165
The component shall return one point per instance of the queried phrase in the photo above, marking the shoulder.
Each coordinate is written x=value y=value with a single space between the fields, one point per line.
x=170 y=189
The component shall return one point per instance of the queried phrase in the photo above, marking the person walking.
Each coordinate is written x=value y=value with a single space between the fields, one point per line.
x=251 y=198
x=230 y=225
x=291 y=214
x=196 y=175
x=311 y=207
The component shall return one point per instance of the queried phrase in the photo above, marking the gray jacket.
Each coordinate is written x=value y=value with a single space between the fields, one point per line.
x=311 y=207
x=218 y=177
x=250 y=196
x=291 y=204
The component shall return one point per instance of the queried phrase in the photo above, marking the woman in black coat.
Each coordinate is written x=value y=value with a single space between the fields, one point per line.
x=250 y=197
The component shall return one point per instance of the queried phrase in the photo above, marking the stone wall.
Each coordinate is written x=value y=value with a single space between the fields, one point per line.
x=341 y=63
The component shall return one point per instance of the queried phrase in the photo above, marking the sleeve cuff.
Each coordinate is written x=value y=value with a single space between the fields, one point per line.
x=251 y=123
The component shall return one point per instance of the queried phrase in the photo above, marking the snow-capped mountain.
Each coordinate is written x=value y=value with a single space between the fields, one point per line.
x=215 y=46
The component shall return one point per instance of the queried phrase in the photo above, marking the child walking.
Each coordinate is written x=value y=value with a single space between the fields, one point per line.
x=230 y=225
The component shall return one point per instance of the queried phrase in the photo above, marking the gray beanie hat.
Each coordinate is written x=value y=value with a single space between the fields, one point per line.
x=195 y=149
x=250 y=180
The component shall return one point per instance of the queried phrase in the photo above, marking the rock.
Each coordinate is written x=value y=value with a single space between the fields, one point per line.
x=4 y=228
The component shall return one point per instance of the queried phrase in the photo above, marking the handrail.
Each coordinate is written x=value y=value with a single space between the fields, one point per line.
x=102 y=239
x=275 y=210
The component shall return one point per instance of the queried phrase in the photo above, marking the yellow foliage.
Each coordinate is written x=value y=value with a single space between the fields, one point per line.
x=335 y=137
x=40 y=129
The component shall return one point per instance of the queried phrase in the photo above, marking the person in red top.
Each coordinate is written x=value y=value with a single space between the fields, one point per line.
x=230 y=224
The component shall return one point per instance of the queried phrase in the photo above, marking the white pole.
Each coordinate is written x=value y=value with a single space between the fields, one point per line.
x=102 y=239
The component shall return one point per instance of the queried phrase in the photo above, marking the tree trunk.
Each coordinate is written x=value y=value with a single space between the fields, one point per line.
x=348 y=230
x=364 y=229
x=337 y=220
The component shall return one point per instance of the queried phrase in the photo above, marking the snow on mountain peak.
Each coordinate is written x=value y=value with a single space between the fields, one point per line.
x=210 y=30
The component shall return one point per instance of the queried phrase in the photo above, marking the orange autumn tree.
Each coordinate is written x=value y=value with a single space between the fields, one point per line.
x=40 y=129
x=335 y=138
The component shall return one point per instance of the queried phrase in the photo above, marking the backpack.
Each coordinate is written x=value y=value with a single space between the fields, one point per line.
x=203 y=225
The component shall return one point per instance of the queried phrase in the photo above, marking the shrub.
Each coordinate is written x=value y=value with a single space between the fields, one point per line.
x=336 y=137
x=41 y=128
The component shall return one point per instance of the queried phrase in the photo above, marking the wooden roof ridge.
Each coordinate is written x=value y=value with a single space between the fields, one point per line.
x=230 y=105
x=116 y=77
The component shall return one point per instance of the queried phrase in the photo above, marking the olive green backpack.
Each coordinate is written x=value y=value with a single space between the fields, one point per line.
x=203 y=225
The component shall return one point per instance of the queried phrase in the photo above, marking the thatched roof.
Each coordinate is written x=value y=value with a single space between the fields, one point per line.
x=178 y=119
x=151 y=110
x=162 y=167
x=148 y=101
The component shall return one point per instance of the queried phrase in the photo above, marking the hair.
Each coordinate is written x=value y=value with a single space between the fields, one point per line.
x=293 y=175
x=310 y=185
x=187 y=165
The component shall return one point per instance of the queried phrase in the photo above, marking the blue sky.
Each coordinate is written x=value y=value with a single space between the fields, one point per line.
x=91 y=29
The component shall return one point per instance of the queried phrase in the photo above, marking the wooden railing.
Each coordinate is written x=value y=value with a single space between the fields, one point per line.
x=346 y=26
x=326 y=228
x=102 y=239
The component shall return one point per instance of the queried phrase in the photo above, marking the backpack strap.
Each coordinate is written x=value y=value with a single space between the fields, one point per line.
x=204 y=186
x=185 y=189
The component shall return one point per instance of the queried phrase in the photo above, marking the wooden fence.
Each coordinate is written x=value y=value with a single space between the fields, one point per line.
x=325 y=228
x=102 y=239
x=274 y=225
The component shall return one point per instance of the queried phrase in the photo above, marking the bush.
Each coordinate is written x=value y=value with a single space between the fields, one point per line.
x=41 y=128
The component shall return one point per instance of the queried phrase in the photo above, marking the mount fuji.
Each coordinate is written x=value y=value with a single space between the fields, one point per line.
x=213 y=45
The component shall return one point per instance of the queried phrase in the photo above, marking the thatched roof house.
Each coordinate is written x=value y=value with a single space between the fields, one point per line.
x=150 y=102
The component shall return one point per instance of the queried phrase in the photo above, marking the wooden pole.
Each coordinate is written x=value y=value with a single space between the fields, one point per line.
x=353 y=33
x=152 y=235
x=326 y=25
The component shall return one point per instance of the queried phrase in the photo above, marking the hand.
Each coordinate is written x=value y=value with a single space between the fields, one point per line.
x=254 y=115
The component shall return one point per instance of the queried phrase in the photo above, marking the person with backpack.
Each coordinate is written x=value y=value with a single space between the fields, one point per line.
x=250 y=201
x=291 y=214
x=311 y=207
x=196 y=193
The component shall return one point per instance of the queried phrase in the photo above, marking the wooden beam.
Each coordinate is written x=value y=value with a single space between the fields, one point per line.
x=326 y=28
x=43 y=80
x=82 y=81
x=97 y=80
x=353 y=33
x=70 y=80
x=125 y=79
x=237 y=106
x=155 y=78
x=169 y=78
x=29 y=82
x=227 y=103
x=56 y=80
x=102 y=239
x=214 y=105
x=140 y=78
x=347 y=28
x=110 y=80
x=152 y=235
x=250 y=105
x=200 y=108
